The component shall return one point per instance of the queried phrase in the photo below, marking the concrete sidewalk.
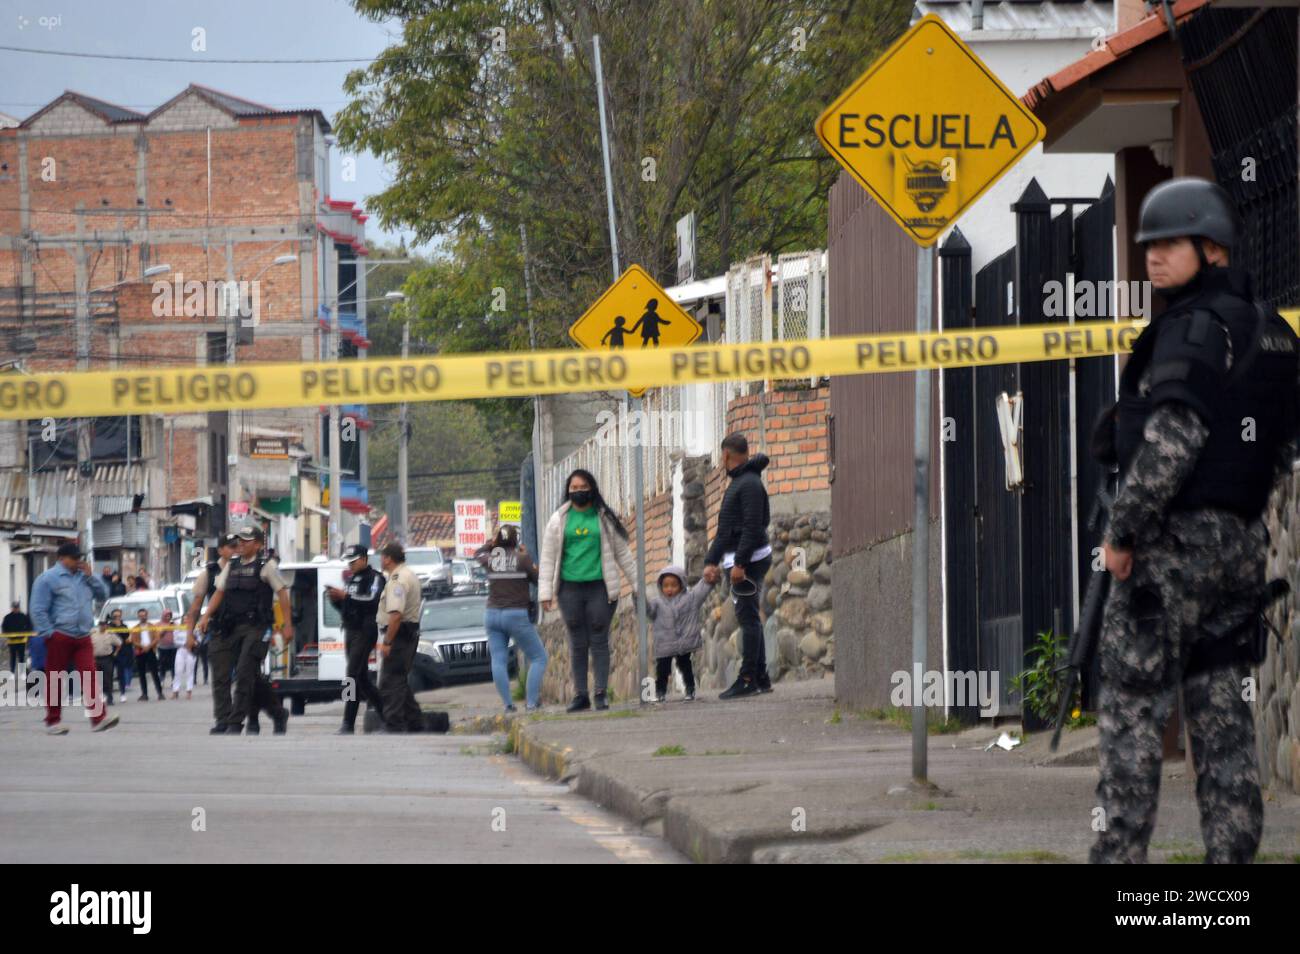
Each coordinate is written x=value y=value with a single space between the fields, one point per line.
x=790 y=777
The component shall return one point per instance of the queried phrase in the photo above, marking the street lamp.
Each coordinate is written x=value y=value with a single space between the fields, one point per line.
x=149 y=272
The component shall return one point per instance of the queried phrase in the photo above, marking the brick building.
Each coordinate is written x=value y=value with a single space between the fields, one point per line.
x=197 y=233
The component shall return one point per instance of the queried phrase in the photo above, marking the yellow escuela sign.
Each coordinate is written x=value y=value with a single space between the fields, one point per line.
x=927 y=129
x=634 y=314
x=510 y=511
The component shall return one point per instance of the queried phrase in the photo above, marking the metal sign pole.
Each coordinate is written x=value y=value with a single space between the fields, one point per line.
x=634 y=403
x=921 y=525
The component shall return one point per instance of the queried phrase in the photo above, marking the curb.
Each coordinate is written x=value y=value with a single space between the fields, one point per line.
x=680 y=828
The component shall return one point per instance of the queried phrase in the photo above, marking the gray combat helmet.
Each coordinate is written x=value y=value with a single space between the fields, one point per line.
x=1188 y=206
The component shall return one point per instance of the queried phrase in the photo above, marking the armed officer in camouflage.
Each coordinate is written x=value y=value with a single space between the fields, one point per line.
x=1205 y=422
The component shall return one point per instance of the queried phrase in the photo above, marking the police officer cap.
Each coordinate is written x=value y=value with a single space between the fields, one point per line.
x=227 y=540
x=1188 y=206
x=355 y=552
x=251 y=533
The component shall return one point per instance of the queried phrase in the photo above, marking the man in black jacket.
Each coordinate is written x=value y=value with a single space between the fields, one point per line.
x=741 y=544
x=16 y=621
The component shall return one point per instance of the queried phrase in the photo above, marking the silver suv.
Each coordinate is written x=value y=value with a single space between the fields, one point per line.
x=433 y=569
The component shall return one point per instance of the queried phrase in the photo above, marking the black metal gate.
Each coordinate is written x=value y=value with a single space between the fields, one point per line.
x=1010 y=557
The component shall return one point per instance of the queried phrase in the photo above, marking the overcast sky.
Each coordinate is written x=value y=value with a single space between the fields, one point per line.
x=234 y=29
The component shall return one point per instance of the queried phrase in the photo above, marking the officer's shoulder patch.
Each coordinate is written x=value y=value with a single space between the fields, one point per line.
x=398 y=591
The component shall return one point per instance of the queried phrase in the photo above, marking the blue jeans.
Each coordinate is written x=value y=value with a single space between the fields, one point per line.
x=502 y=625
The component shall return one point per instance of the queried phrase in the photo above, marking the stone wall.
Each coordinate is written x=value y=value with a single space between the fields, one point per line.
x=1277 y=706
x=799 y=627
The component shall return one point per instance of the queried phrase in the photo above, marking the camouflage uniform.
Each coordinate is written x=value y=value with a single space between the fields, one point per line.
x=1187 y=566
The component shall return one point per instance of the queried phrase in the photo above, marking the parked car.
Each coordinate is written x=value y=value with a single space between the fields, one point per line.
x=468 y=578
x=453 y=644
x=432 y=569
x=155 y=601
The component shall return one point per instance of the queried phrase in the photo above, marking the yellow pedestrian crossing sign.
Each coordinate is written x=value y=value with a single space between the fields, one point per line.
x=634 y=313
x=927 y=129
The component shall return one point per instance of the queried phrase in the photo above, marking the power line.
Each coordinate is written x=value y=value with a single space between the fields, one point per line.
x=450 y=473
x=204 y=60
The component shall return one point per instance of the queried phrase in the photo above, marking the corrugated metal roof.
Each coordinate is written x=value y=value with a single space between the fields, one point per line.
x=114 y=114
x=55 y=497
x=1019 y=15
x=270 y=478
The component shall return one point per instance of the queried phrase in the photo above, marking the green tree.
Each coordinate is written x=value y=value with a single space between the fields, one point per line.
x=711 y=105
x=450 y=436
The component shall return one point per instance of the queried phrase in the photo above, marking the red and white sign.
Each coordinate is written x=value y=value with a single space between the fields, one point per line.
x=471 y=526
x=239 y=508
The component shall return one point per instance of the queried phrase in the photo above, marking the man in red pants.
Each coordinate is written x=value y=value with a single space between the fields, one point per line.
x=63 y=612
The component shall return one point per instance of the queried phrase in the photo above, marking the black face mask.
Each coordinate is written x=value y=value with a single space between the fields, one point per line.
x=580 y=497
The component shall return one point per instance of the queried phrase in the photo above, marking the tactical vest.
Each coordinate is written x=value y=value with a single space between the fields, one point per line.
x=248 y=599
x=1250 y=410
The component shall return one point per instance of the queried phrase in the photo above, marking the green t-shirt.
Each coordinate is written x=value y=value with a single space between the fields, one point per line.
x=581 y=560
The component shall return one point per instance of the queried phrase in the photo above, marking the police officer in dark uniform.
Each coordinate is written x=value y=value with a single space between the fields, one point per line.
x=359 y=604
x=1205 y=423
x=243 y=605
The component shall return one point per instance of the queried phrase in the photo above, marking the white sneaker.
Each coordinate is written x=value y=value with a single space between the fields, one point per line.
x=104 y=724
x=57 y=729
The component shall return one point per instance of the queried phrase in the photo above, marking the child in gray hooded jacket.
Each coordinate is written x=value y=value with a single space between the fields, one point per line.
x=677 y=629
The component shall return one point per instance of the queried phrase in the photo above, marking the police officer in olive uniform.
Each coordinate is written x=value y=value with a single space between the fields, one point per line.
x=399 y=624
x=205 y=584
x=243 y=606
x=360 y=605
x=1205 y=423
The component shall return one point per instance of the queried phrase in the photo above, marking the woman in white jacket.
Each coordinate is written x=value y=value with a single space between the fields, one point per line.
x=584 y=549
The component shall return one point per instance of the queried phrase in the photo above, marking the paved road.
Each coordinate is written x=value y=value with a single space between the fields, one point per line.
x=138 y=792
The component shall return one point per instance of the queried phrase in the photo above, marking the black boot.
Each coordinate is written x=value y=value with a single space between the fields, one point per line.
x=253 y=727
x=219 y=729
x=281 y=720
x=346 y=729
x=579 y=703
x=601 y=702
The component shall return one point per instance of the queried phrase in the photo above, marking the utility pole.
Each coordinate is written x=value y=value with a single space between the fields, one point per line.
x=234 y=492
x=403 y=439
x=634 y=403
x=85 y=463
x=336 y=448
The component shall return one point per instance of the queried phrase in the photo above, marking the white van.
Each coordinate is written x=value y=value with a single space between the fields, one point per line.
x=314 y=666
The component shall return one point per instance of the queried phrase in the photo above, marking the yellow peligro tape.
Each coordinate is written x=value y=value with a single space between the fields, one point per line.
x=460 y=377
x=175 y=627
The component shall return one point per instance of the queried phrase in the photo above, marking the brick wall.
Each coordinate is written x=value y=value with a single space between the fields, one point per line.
x=790 y=428
x=186 y=478
x=254 y=183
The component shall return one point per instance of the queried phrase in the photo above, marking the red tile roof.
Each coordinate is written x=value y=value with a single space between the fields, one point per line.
x=425 y=528
x=1117 y=46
